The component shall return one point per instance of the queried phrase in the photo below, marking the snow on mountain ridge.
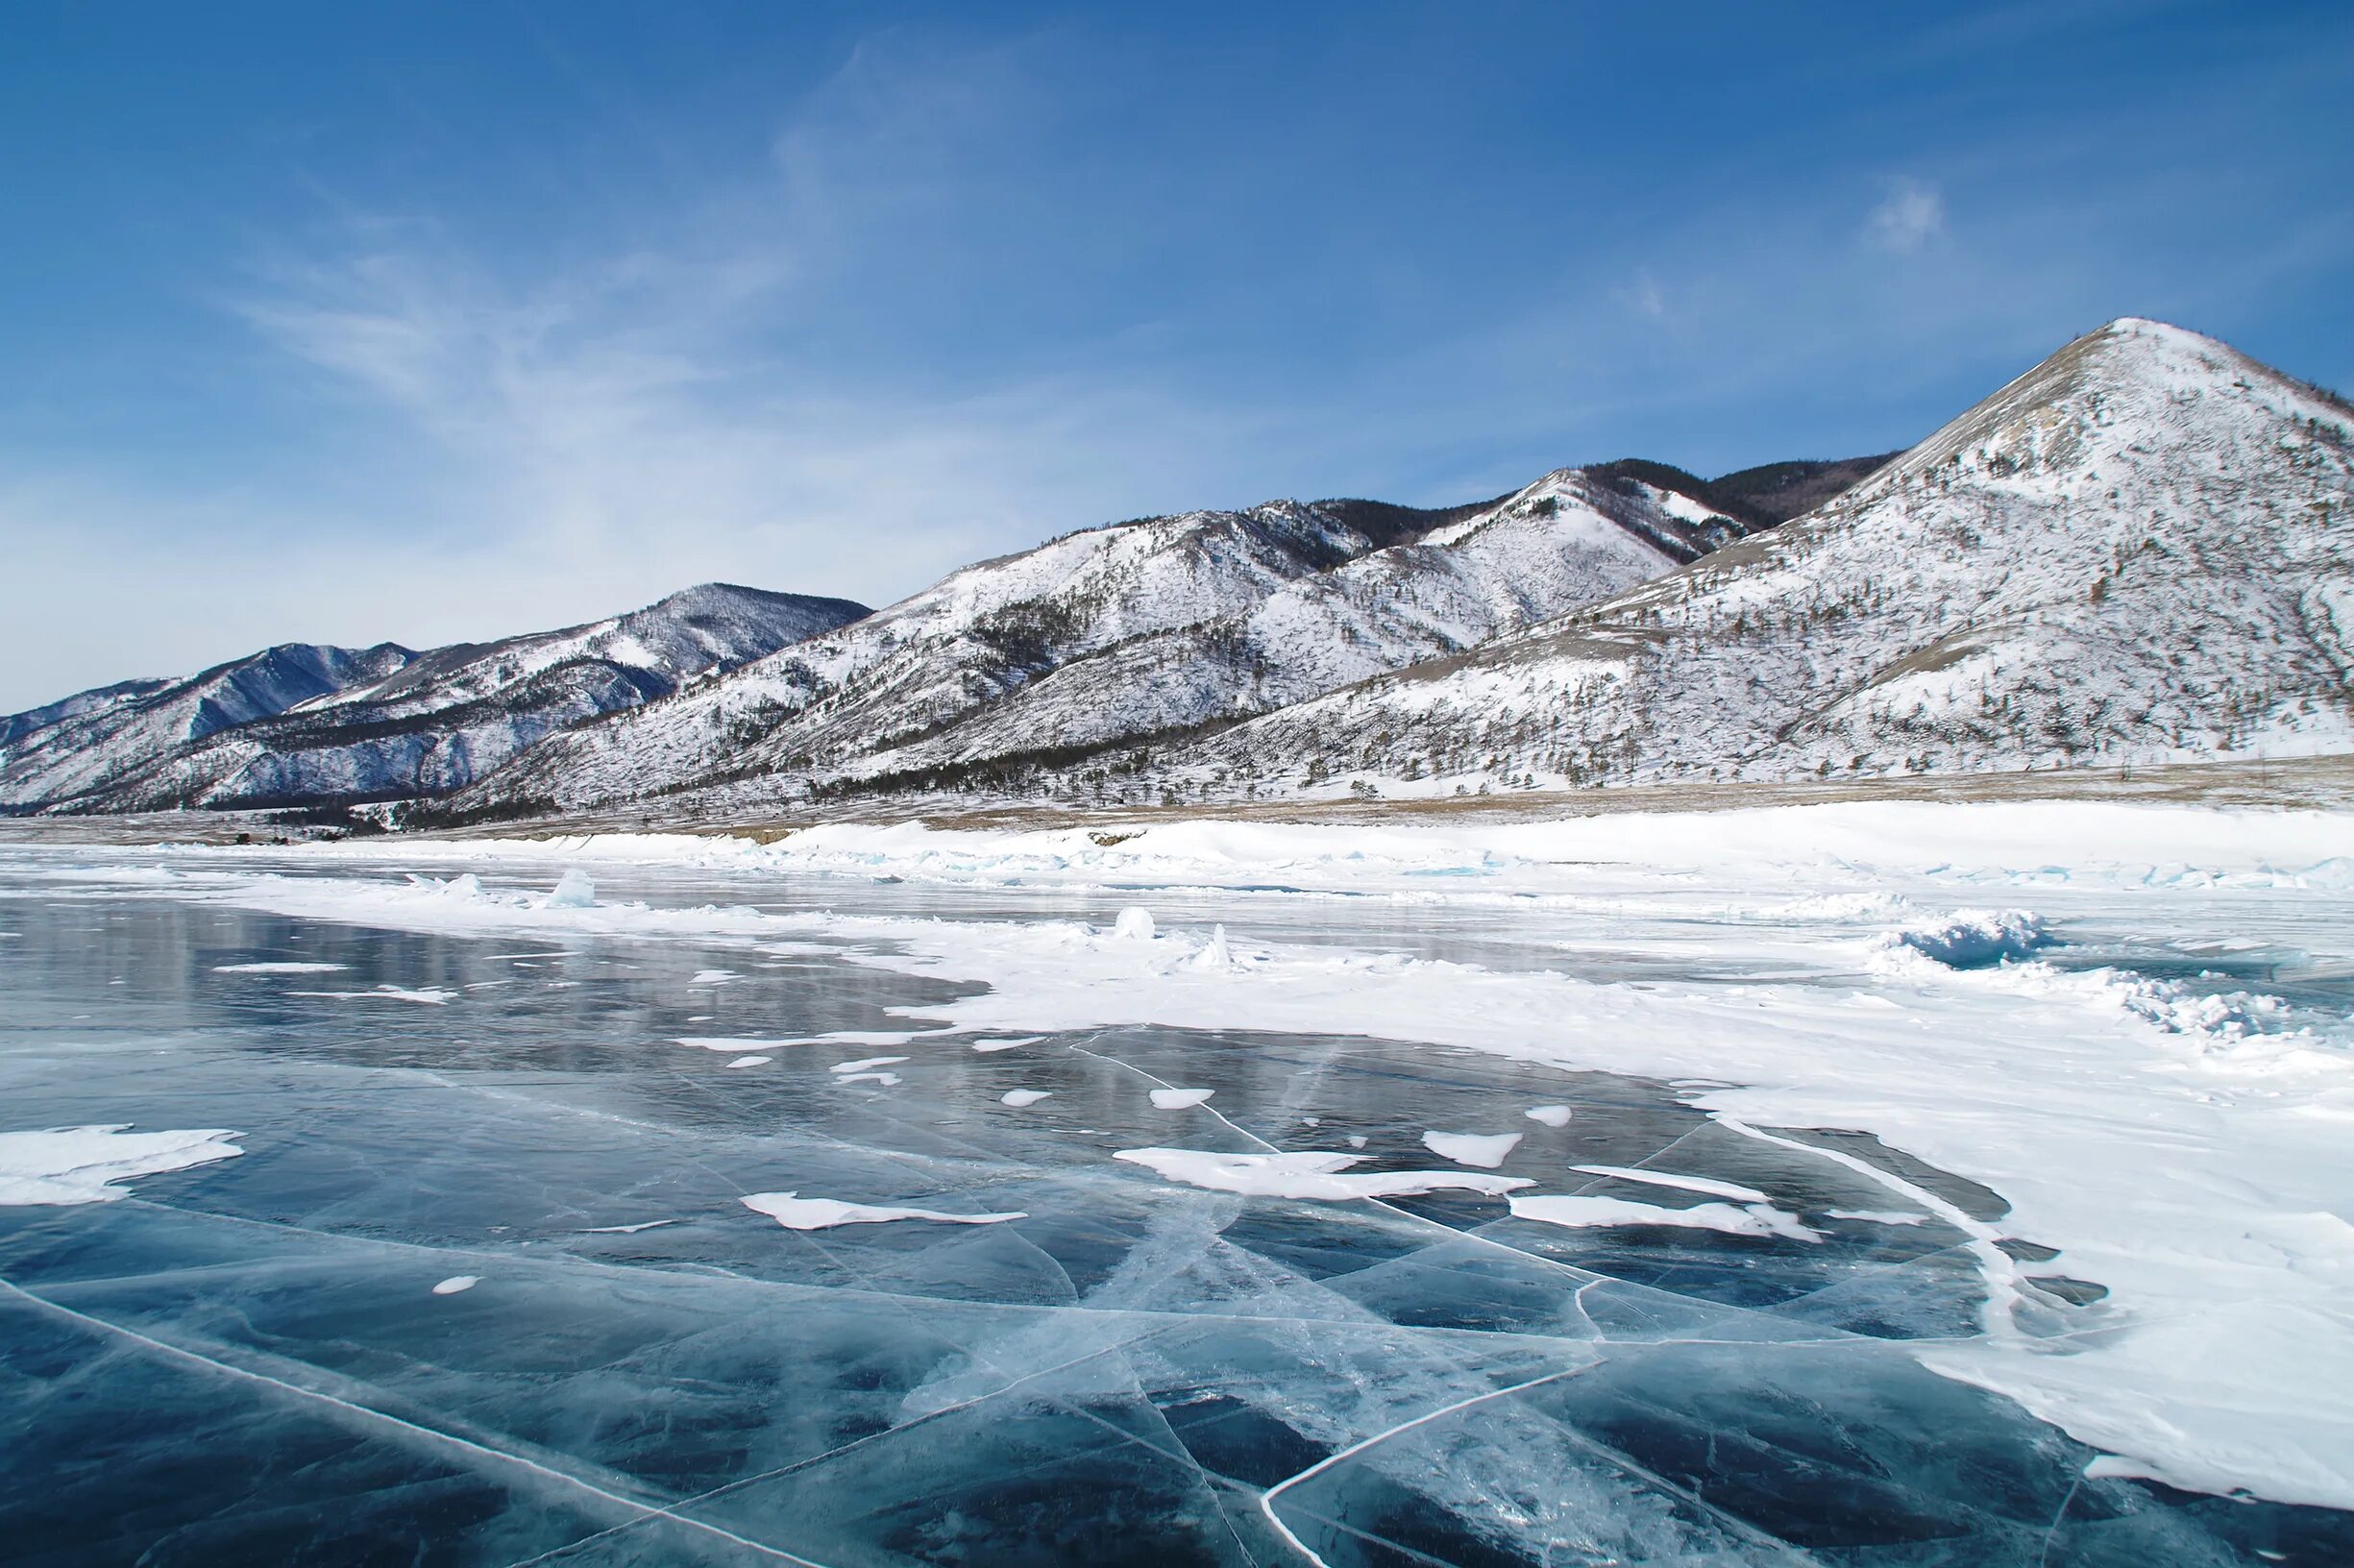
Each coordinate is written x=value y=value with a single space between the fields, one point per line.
x=1132 y=630
x=433 y=722
x=2128 y=552
x=1544 y=549
x=17 y=725
x=937 y=655
x=92 y=738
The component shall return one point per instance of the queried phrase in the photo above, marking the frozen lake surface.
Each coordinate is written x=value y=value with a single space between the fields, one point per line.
x=907 y=1205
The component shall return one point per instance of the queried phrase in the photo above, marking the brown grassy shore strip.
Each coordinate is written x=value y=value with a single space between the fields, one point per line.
x=2303 y=783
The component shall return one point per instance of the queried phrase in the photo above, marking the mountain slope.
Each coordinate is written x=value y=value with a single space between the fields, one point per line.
x=1573 y=537
x=2142 y=550
x=82 y=744
x=1782 y=491
x=433 y=722
x=937 y=656
x=1127 y=631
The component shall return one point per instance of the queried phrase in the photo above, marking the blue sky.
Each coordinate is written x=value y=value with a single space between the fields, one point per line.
x=426 y=322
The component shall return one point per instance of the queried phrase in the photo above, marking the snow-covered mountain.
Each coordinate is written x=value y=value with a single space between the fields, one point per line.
x=1130 y=631
x=2140 y=551
x=83 y=745
x=326 y=726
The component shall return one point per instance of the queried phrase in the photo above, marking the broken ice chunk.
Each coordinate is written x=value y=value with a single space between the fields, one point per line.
x=572 y=891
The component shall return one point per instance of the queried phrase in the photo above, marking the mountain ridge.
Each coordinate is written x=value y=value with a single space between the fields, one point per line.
x=1135 y=629
x=391 y=723
x=1882 y=635
x=2138 y=550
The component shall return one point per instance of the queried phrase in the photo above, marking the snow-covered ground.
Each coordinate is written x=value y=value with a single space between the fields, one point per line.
x=2106 y=1047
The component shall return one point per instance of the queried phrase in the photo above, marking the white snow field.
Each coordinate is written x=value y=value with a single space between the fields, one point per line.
x=2027 y=1125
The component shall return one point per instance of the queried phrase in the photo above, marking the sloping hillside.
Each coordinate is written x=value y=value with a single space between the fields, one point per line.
x=2142 y=550
x=83 y=745
x=1125 y=632
x=427 y=724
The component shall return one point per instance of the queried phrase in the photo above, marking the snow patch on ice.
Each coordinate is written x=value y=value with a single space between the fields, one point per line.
x=457 y=1282
x=1590 y=1213
x=799 y=1214
x=423 y=995
x=288 y=967
x=1307 y=1175
x=1179 y=1099
x=1687 y=1184
x=1486 y=1150
x=1550 y=1116
x=1020 y=1097
x=1877 y=1217
x=80 y=1165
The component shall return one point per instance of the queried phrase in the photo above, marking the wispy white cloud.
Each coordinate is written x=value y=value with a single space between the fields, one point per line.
x=1644 y=298
x=538 y=445
x=832 y=365
x=1911 y=216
